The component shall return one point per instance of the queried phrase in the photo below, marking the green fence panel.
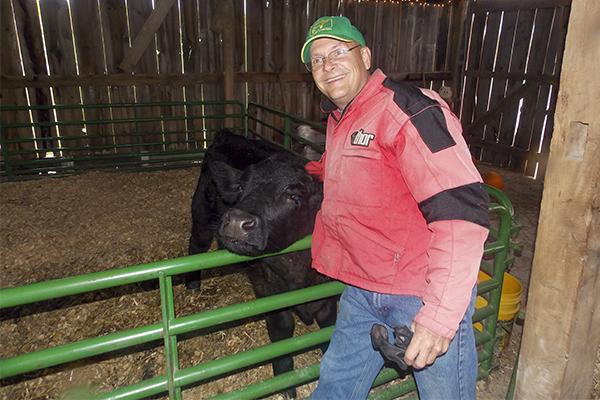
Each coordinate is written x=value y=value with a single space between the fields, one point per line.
x=497 y=255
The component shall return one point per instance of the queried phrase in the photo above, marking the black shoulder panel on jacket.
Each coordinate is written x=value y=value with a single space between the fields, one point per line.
x=468 y=203
x=430 y=123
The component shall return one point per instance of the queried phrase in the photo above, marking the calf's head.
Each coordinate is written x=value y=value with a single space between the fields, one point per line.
x=268 y=206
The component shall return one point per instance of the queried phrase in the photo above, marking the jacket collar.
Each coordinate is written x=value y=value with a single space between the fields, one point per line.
x=374 y=82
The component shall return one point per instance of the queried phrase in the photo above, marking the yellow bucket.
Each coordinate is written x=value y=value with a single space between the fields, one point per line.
x=480 y=302
x=510 y=299
x=510 y=303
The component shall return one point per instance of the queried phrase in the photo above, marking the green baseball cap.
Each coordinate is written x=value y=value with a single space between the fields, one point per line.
x=339 y=28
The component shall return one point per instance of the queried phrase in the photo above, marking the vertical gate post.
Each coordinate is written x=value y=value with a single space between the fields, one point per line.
x=168 y=313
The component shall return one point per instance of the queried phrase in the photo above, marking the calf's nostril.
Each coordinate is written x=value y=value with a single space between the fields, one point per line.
x=249 y=224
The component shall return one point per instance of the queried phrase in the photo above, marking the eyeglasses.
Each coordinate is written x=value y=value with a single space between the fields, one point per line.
x=317 y=63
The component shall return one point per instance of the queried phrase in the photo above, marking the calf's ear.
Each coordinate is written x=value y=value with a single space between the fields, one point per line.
x=227 y=180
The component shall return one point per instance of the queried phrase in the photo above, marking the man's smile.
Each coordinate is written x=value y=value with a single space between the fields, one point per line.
x=334 y=79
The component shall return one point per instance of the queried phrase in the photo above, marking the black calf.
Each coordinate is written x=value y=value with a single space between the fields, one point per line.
x=256 y=198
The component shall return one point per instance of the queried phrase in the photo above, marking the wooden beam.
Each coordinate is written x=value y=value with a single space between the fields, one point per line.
x=146 y=34
x=45 y=81
x=476 y=141
x=518 y=5
x=501 y=106
x=540 y=78
x=561 y=334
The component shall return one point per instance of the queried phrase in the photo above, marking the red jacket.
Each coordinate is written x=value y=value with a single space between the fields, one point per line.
x=404 y=211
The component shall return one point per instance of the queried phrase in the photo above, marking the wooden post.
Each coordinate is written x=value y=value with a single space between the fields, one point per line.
x=225 y=24
x=562 y=329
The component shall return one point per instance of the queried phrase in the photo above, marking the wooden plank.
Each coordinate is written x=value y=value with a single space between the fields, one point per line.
x=122 y=79
x=152 y=131
x=457 y=50
x=90 y=56
x=169 y=61
x=416 y=39
x=477 y=141
x=61 y=60
x=487 y=63
x=146 y=35
x=553 y=63
x=518 y=63
x=499 y=75
x=408 y=31
x=113 y=17
x=526 y=138
x=473 y=60
x=565 y=278
x=268 y=65
x=389 y=18
x=215 y=51
x=442 y=37
x=224 y=23
x=30 y=34
x=398 y=17
x=500 y=78
x=194 y=44
x=430 y=34
x=10 y=64
x=547 y=98
x=115 y=80
x=501 y=106
x=519 y=5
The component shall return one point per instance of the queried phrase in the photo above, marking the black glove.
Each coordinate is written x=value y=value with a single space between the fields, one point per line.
x=392 y=352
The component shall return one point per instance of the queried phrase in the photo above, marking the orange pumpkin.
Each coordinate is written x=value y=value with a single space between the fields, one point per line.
x=494 y=179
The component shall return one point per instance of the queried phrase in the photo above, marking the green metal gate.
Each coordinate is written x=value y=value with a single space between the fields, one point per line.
x=497 y=255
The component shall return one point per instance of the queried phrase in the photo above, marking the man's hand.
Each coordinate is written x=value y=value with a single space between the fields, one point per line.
x=424 y=347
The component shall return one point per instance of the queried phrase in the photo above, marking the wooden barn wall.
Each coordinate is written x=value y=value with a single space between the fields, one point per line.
x=407 y=40
x=71 y=52
x=511 y=74
x=76 y=61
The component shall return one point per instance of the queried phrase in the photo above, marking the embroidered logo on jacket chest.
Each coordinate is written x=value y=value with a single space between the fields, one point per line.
x=361 y=138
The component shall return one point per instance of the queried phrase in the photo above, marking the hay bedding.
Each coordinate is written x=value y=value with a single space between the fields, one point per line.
x=52 y=228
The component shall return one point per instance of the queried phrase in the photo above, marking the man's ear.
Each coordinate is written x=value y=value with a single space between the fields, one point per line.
x=365 y=54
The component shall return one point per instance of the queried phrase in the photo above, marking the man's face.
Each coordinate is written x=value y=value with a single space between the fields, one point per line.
x=341 y=80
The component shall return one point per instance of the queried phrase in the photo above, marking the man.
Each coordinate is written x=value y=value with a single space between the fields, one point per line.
x=403 y=222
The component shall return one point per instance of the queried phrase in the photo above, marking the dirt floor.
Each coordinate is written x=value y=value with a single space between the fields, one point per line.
x=53 y=228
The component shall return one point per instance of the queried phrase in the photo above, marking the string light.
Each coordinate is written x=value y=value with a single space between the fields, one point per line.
x=422 y=3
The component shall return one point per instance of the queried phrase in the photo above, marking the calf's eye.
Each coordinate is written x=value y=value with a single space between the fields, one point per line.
x=293 y=198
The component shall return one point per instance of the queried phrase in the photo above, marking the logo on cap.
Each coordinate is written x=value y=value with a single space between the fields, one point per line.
x=323 y=25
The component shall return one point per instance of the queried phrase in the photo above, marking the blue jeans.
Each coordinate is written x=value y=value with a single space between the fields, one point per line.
x=350 y=364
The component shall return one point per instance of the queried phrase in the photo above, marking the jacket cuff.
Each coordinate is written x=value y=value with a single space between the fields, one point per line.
x=424 y=320
x=314 y=168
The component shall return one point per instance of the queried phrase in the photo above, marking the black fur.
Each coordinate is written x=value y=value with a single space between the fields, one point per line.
x=256 y=198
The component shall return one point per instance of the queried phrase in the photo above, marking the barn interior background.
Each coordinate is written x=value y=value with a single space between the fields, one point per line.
x=82 y=80
x=148 y=61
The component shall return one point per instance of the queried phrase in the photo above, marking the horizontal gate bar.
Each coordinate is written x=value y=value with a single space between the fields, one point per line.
x=132 y=337
x=56 y=288
x=220 y=366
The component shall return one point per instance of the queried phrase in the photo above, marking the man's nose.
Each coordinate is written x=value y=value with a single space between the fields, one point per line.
x=328 y=64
